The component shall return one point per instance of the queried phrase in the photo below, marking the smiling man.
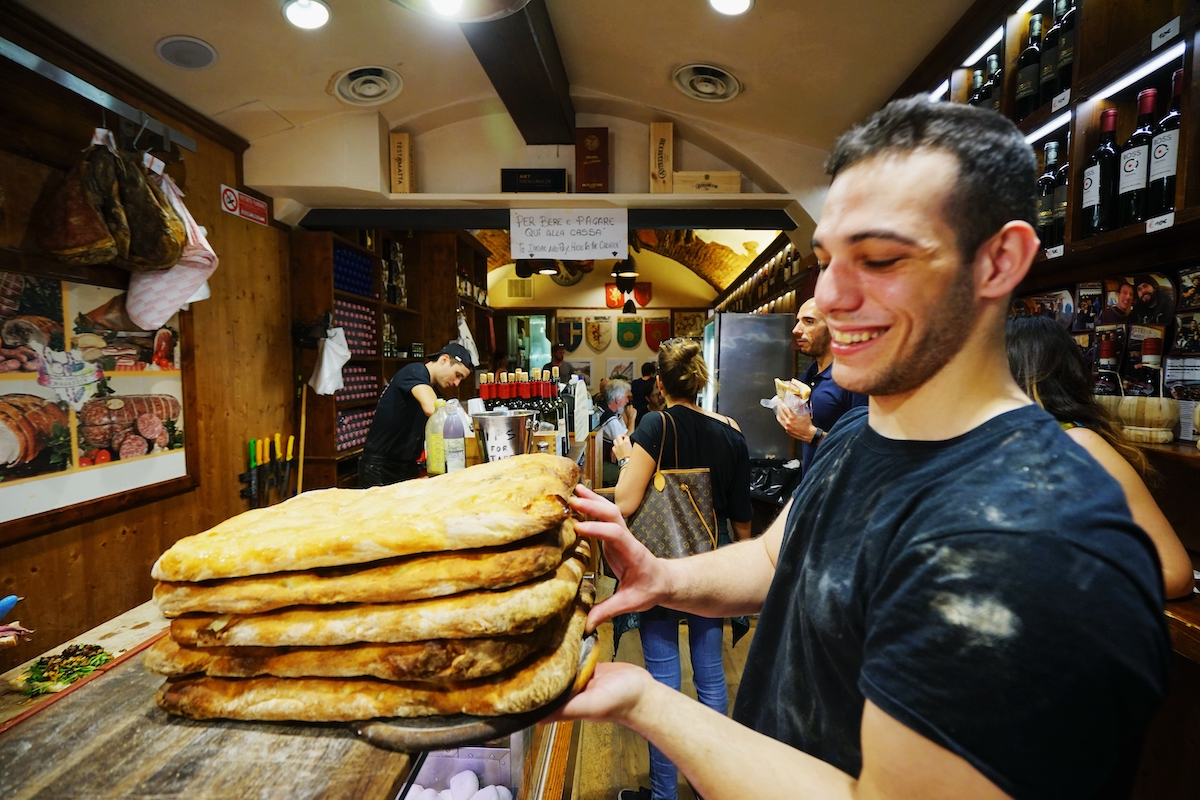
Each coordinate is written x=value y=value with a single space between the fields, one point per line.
x=957 y=603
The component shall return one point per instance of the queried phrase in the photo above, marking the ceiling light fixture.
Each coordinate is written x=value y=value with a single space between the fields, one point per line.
x=731 y=7
x=629 y=307
x=626 y=269
x=706 y=82
x=546 y=266
x=465 y=10
x=307 y=14
x=523 y=268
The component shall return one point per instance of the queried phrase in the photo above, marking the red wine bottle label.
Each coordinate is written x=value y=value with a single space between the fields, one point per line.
x=1091 y=186
x=1135 y=168
x=1066 y=49
x=1164 y=152
x=1027 y=81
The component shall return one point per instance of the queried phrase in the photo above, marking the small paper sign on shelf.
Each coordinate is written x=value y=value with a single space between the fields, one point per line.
x=1160 y=223
x=1054 y=252
x=1060 y=101
x=1164 y=34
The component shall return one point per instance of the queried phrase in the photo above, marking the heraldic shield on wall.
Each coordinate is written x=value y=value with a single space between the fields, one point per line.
x=658 y=330
x=570 y=332
x=598 y=333
x=629 y=331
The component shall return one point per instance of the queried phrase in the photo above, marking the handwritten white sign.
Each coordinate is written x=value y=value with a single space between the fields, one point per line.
x=569 y=234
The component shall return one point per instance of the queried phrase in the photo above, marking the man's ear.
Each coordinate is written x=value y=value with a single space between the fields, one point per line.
x=1002 y=262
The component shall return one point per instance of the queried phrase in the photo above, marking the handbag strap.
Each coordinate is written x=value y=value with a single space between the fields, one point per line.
x=683 y=486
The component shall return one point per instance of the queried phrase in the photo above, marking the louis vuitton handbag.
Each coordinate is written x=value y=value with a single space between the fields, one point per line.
x=676 y=517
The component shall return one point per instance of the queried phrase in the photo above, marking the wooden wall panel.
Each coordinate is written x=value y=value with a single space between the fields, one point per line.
x=76 y=578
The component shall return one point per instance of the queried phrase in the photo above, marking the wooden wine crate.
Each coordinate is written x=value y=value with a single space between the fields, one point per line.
x=707 y=182
x=400 y=150
x=662 y=145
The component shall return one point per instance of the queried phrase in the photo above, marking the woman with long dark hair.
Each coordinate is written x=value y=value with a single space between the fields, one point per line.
x=693 y=439
x=1047 y=364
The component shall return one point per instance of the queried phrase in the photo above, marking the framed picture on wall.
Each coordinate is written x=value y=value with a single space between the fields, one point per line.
x=91 y=406
x=583 y=368
x=688 y=324
x=620 y=368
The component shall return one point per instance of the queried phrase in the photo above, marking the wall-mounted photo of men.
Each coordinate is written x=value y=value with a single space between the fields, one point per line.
x=1118 y=302
x=1089 y=303
x=1058 y=305
x=1189 y=289
x=1187 y=334
x=1154 y=303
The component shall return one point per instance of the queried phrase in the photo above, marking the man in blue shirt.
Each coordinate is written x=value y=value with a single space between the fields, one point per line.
x=828 y=401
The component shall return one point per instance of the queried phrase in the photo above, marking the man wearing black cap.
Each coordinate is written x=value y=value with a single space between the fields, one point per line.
x=397 y=434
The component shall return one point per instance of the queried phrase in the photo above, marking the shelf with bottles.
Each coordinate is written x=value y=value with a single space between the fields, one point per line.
x=769 y=277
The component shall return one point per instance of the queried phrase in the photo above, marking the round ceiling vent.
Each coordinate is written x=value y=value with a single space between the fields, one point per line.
x=186 y=52
x=706 y=82
x=368 y=86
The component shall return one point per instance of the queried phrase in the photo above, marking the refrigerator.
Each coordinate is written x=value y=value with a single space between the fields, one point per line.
x=745 y=353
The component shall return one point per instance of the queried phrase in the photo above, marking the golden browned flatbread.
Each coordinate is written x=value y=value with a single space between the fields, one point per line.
x=484 y=506
x=439 y=660
x=471 y=615
x=393 y=581
x=522 y=688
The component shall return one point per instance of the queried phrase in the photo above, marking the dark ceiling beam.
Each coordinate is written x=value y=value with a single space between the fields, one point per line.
x=520 y=55
x=403 y=219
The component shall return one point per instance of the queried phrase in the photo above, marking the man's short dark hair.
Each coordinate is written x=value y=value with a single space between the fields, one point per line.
x=648 y=369
x=997 y=170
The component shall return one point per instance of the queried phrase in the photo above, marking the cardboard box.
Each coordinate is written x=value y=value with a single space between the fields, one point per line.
x=400 y=149
x=591 y=159
x=662 y=143
x=708 y=182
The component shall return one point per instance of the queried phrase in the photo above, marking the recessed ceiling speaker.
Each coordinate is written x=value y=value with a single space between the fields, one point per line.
x=186 y=52
x=368 y=86
x=706 y=82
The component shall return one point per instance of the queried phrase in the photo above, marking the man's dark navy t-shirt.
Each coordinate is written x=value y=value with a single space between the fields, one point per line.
x=829 y=402
x=398 y=429
x=990 y=592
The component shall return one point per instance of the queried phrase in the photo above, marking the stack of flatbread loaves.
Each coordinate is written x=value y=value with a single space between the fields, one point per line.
x=458 y=594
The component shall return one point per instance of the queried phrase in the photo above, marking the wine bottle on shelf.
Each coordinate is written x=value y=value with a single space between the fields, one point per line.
x=989 y=93
x=1100 y=178
x=1135 y=162
x=1048 y=69
x=1029 y=70
x=1061 y=193
x=976 y=86
x=1045 y=197
x=1066 y=47
x=1164 y=153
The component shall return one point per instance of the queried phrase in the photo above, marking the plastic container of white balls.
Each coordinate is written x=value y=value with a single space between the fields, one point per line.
x=491 y=772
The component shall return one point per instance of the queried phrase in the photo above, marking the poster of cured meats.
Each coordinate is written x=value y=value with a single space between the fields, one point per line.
x=90 y=404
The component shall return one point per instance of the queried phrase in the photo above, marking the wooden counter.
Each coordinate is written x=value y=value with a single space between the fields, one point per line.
x=106 y=738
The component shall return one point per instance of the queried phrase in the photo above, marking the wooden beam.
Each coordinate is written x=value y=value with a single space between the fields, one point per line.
x=520 y=55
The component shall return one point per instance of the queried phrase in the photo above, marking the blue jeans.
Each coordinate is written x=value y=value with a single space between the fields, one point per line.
x=660 y=646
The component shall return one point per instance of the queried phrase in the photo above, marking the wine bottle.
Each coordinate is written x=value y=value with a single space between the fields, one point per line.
x=976 y=87
x=1066 y=47
x=1048 y=69
x=1135 y=162
x=1061 y=193
x=989 y=93
x=1029 y=70
x=1164 y=153
x=1045 y=197
x=1100 y=179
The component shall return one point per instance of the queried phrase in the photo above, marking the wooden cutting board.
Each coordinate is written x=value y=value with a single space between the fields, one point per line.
x=108 y=739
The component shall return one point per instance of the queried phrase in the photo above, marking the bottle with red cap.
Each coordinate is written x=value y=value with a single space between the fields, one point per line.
x=1135 y=162
x=1100 y=179
x=1164 y=152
